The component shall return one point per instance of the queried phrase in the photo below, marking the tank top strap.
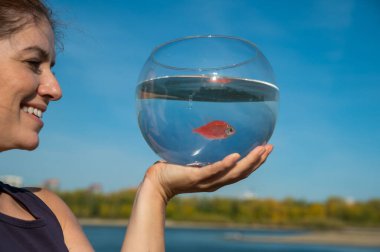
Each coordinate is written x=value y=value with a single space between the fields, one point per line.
x=30 y=201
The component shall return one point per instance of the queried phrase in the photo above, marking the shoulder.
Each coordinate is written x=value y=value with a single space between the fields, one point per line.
x=44 y=194
x=55 y=203
x=51 y=199
x=75 y=239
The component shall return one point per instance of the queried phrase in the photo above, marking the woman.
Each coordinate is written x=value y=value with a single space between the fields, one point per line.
x=37 y=220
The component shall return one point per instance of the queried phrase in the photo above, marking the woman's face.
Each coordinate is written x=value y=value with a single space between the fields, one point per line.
x=27 y=85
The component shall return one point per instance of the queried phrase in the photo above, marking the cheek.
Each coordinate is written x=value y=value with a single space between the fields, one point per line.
x=17 y=77
x=17 y=85
x=24 y=87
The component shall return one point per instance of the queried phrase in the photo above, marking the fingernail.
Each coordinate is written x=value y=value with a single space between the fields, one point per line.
x=269 y=148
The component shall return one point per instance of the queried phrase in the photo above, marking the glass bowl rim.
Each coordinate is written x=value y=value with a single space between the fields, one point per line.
x=210 y=36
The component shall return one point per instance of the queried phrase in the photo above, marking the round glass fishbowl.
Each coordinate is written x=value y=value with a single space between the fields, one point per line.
x=201 y=98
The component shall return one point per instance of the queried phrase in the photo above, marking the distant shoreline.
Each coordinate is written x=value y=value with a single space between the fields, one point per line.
x=182 y=224
x=103 y=222
x=358 y=237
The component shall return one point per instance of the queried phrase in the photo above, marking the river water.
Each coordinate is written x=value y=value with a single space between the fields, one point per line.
x=109 y=239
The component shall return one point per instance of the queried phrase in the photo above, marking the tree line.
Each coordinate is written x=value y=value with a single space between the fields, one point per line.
x=334 y=212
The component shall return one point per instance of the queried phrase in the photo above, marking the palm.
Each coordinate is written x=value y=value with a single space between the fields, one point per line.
x=176 y=179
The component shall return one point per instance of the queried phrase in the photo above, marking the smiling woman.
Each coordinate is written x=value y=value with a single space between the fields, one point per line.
x=37 y=220
x=27 y=85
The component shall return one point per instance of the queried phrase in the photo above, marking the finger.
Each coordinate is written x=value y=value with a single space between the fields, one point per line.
x=244 y=167
x=230 y=160
x=269 y=149
x=263 y=158
x=250 y=164
x=216 y=168
x=252 y=158
x=159 y=161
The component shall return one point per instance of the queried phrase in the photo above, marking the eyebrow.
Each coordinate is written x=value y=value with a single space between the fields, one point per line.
x=43 y=54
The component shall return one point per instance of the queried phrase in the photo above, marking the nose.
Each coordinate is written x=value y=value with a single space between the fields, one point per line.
x=49 y=87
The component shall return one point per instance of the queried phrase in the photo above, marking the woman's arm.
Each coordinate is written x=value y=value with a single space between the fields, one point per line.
x=145 y=230
x=163 y=181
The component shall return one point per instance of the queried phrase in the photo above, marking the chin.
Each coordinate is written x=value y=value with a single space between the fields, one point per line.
x=29 y=145
x=24 y=146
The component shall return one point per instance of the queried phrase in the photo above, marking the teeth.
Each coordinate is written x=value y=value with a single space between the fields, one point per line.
x=33 y=111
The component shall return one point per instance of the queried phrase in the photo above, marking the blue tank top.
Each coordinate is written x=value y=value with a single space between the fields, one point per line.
x=42 y=234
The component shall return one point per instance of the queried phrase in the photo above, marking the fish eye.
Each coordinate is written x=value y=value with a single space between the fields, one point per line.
x=229 y=131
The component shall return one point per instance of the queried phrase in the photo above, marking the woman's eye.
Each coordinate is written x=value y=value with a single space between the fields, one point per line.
x=35 y=66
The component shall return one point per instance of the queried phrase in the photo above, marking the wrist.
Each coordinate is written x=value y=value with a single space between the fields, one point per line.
x=155 y=178
x=153 y=190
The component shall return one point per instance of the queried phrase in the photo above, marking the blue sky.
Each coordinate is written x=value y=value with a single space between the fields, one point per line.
x=326 y=58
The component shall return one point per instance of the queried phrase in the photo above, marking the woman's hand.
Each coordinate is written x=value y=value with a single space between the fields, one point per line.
x=171 y=179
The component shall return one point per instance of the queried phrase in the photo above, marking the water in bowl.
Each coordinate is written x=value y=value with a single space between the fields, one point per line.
x=171 y=110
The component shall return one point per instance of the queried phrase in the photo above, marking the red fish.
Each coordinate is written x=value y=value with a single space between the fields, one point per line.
x=215 y=130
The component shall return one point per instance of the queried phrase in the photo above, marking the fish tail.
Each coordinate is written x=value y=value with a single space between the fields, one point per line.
x=196 y=130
